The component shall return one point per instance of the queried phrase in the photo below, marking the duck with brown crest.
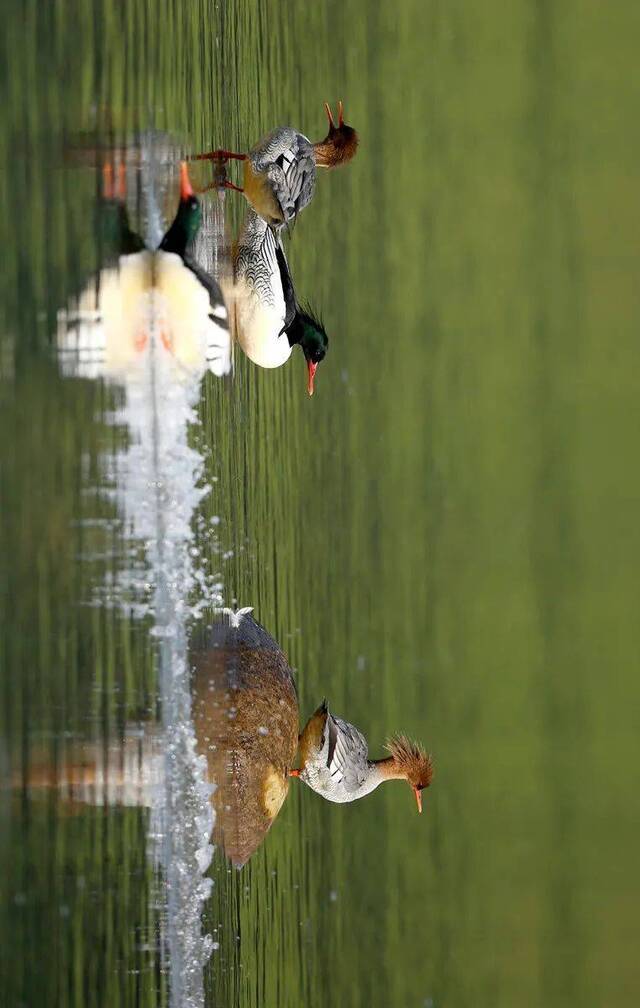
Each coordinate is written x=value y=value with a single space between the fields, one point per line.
x=245 y=712
x=280 y=171
x=335 y=762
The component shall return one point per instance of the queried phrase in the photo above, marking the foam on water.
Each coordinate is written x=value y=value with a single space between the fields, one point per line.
x=155 y=482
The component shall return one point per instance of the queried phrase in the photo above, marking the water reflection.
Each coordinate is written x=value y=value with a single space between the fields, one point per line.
x=153 y=321
x=145 y=298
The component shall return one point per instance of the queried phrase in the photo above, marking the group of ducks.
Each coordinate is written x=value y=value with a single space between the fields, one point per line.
x=246 y=718
x=246 y=700
x=279 y=182
x=166 y=288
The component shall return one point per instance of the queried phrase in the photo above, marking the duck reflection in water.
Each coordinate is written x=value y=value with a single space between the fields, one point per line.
x=140 y=292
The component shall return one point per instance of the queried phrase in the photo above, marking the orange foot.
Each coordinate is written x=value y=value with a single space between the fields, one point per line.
x=141 y=340
x=218 y=155
x=110 y=191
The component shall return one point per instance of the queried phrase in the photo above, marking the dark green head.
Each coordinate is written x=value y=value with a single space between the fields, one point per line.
x=307 y=330
x=187 y=220
x=115 y=236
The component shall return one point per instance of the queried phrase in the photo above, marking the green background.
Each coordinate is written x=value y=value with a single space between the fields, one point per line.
x=444 y=540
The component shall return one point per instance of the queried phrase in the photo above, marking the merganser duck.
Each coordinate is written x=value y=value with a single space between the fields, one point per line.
x=335 y=764
x=269 y=322
x=280 y=171
x=140 y=290
x=245 y=713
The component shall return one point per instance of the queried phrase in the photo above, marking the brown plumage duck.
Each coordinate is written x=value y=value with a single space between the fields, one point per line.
x=245 y=713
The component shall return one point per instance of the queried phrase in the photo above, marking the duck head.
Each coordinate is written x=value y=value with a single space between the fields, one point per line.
x=112 y=224
x=410 y=762
x=187 y=220
x=340 y=143
x=308 y=331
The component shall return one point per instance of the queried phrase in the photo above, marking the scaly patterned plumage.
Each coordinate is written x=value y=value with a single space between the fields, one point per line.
x=258 y=294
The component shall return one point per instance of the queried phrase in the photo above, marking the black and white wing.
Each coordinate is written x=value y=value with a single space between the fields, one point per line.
x=293 y=184
x=347 y=754
x=286 y=157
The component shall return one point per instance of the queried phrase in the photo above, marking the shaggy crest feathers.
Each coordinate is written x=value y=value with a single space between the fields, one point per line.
x=312 y=316
x=345 y=141
x=412 y=759
x=340 y=143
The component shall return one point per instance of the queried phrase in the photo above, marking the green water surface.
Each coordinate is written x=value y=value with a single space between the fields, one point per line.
x=444 y=539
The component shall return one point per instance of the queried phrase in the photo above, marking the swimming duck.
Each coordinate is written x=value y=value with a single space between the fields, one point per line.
x=269 y=322
x=335 y=764
x=140 y=291
x=280 y=171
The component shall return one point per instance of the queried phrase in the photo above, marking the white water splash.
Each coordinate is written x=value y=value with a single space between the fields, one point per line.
x=156 y=486
x=160 y=492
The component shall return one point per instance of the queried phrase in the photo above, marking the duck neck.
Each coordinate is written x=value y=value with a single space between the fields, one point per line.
x=294 y=329
x=116 y=236
x=176 y=239
x=379 y=771
x=388 y=769
x=326 y=153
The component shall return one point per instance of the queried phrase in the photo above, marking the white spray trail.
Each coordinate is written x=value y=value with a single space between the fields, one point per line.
x=157 y=486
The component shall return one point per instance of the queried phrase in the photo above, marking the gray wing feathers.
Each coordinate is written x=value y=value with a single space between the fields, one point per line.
x=347 y=756
x=282 y=140
x=287 y=158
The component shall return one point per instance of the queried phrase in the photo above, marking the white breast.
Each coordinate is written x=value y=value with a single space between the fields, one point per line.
x=147 y=297
x=257 y=295
x=333 y=787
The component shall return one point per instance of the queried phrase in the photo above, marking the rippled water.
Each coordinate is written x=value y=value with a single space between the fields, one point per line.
x=443 y=540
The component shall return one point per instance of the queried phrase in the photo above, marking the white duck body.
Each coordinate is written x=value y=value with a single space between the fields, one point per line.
x=335 y=759
x=147 y=294
x=258 y=298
